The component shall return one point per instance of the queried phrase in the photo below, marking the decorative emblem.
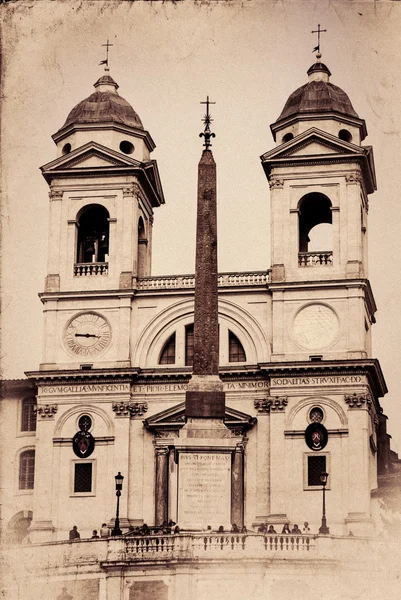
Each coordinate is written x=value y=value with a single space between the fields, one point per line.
x=358 y=400
x=316 y=436
x=47 y=411
x=125 y=409
x=83 y=442
x=276 y=183
x=271 y=404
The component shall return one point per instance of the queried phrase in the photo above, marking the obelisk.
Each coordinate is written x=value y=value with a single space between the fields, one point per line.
x=209 y=456
x=205 y=397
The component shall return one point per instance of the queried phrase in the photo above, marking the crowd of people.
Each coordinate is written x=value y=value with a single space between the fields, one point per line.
x=170 y=527
x=265 y=528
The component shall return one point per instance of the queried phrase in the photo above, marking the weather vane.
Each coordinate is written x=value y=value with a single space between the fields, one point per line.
x=207 y=119
x=318 y=31
x=106 y=62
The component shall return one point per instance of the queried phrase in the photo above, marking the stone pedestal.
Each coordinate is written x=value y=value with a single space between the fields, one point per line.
x=210 y=475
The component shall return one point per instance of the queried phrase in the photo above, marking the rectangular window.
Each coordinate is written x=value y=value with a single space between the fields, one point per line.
x=83 y=477
x=27 y=470
x=316 y=465
x=28 y=415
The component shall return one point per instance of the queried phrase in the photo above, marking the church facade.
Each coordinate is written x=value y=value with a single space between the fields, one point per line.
x=302 y=391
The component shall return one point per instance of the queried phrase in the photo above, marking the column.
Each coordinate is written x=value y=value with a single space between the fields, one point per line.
x=359 y=517
x=42 y=526
x=263 y=461
x=278 y=491
x=161 y=490
x=122 y=410
x=237 y=486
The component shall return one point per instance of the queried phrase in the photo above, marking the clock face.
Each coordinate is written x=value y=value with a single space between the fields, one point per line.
x=87 y=334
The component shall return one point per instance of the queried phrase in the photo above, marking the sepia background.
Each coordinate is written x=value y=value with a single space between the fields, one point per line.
x=166 y=57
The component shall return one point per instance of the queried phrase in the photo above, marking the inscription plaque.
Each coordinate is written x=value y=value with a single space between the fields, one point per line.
x=204 y=489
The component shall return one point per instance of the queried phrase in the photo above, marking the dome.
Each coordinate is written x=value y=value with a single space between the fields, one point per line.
x=103 y=106
x=318 y=96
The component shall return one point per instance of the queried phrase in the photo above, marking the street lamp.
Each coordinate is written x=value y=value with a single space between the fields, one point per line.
x=119 y=486
x=323 y=528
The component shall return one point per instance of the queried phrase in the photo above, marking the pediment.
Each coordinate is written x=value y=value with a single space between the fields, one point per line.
x=313 y=142
x=172 y=419
x=89 y=156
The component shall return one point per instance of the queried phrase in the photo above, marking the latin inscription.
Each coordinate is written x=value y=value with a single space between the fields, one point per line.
x=84 y=389
x=204 y=496
x=182 y=387
x=330 y=380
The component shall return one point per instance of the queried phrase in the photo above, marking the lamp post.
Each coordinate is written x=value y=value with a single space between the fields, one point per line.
x=119 y=486
x=323 y=528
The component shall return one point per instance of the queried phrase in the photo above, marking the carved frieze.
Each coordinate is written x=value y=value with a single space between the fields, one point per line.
x=129 y=409
x=276 y=183
x=271 y=404
x=128 y=191
x=360 y=400
x=47 y=411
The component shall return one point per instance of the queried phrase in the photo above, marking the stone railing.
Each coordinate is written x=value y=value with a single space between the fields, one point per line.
x=188 y=281
x=315 y=259
x=53 y=556
x=94 y=268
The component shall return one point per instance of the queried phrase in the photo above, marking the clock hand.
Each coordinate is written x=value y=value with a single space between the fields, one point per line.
x=87 y=335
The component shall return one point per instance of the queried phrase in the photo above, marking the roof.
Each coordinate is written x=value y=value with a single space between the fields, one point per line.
x=318 y=96
x=103 y=106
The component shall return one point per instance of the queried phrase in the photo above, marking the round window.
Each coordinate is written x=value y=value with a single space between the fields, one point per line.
x=66 y=148
x=316 y=415
x=126 y=147
x=85 y=423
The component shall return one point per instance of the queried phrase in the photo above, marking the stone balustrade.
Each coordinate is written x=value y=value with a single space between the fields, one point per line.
x=315 y=259
x=94 y=268
x=188 y=281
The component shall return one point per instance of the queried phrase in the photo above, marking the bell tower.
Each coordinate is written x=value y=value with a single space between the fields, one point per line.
x=104 y=188
x=320 y=177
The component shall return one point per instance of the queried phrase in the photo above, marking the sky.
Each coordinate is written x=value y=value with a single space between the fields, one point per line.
x=167 y=57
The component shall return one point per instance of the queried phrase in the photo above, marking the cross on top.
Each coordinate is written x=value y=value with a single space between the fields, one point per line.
x=207 y=120
x=107 y=45
x=318 y=31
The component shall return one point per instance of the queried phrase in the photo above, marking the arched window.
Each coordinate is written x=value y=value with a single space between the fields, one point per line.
x=189 y=345
x=18 y=527
x=28 y=414
x=26 y=470
x=287 y=137
x=315 y=234
x=236 y=352
x=142 y=247
x=345 y=135
x=93 y=235
x=167 y=356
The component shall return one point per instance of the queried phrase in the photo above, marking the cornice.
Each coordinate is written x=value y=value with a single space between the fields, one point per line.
x=366 y=165
x=81 y=376
x=369 y=367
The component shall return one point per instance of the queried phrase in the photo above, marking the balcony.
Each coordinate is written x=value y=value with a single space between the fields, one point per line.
x=174 y=282
x=93 y=268
x=315 y=259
